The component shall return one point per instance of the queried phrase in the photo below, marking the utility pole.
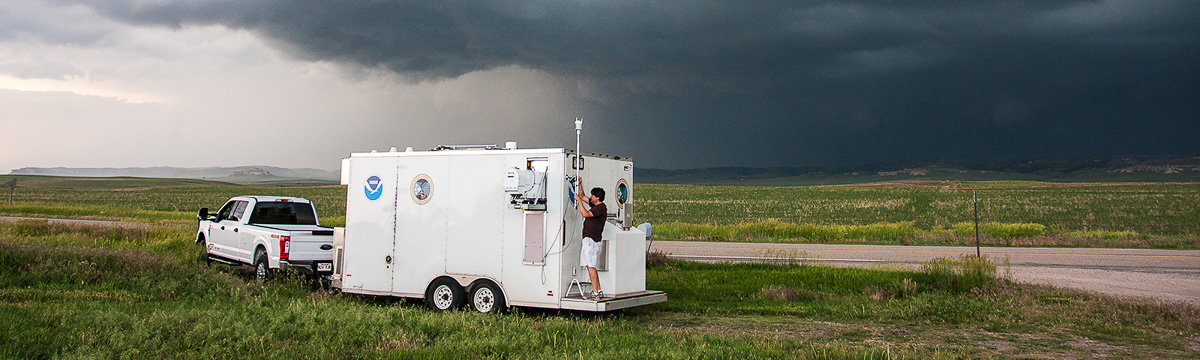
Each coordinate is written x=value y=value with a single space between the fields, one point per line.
x=975 y=201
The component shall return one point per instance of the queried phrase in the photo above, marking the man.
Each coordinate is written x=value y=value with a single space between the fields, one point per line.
x=593 y=227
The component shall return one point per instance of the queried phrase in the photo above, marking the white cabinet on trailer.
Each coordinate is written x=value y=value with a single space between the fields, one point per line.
x=487 y=227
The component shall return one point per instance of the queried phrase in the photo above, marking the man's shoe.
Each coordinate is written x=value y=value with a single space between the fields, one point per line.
x=593 y=296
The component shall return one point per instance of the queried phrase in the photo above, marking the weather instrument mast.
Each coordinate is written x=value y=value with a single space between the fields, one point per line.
x=578 y=155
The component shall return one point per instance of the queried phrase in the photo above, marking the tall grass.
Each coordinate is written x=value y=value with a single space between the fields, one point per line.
x=92 y=291
x=95 y=291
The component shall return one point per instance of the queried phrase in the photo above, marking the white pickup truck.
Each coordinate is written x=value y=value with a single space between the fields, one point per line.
x=268 y=232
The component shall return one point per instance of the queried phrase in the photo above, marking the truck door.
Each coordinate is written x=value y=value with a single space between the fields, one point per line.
x=216 y=234
x=226 y=232
x=237 y=244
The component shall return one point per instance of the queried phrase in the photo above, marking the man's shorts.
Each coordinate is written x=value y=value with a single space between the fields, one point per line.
x=587 y=256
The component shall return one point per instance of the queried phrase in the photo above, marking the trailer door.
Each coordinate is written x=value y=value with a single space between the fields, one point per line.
x=370 y=225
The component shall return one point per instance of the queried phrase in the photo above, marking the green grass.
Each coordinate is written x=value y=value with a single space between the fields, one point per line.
x=139 y=292
x=1124 y=215
x=1012 y=213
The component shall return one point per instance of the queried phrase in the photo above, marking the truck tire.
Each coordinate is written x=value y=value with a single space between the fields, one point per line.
x=262 y=269
x=204 y=252
x=444 y=294
x=486 y=298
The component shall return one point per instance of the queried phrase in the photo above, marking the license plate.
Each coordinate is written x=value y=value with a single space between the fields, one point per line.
x=324 y=266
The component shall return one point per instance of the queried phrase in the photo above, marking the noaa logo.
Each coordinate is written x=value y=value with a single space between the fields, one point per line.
x=374 y=188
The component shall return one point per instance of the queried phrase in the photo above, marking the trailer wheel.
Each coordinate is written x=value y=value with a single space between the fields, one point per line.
x=487 y=298
x=262 y=269
x=444 y=294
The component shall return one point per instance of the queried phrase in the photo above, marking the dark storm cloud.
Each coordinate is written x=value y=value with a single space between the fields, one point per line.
x=701 y=83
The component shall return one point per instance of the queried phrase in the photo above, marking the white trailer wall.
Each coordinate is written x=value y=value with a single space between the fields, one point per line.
x=467 y=229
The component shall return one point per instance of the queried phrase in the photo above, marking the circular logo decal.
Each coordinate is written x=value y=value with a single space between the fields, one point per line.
x=374 y=188
x=422 y=189
x=622 y=192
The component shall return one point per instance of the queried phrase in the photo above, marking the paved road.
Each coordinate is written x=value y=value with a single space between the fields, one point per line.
x=1171 y=275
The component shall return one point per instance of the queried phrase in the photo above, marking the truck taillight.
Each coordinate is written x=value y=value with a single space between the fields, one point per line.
x=285 y=246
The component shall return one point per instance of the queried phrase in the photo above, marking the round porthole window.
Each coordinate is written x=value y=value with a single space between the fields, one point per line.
x=622 y=192
x=422 y=189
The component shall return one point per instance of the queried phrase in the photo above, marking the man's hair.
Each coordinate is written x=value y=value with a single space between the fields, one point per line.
x=598 y=193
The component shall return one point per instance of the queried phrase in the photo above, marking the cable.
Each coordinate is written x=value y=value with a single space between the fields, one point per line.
x=558 y=235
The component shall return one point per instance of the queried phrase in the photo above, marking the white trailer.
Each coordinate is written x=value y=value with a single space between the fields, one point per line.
x=487 y=226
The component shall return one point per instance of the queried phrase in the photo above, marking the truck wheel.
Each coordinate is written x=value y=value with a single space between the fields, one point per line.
x=204 y=252
x=487 y=298
x=262 y=269
x=444 y=294
x=325 y=283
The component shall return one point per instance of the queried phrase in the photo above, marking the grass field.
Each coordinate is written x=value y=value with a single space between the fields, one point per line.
x=137 y=292
x=77 y=291
x=1013 y=213
x=1155 y=215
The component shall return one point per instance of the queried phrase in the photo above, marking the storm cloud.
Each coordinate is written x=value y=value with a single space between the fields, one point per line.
x=766 y=83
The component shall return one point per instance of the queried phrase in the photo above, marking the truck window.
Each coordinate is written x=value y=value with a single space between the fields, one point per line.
x=226 y=210
x=283 y=213
x=239 y=211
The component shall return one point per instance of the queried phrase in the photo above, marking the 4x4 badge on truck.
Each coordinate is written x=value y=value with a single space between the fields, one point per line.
x=374 y=188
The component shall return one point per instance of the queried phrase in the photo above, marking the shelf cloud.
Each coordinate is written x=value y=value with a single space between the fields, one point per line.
x=692 y=84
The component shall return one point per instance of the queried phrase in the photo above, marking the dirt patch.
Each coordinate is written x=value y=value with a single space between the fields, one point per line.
x=1000 y=346
x=751 y=325
x=1093 y=346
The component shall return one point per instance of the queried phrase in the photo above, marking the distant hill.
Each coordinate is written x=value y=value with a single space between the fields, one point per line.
x=1115 y=169
x=102 y=183
x=1099 y=169
x=240 y=174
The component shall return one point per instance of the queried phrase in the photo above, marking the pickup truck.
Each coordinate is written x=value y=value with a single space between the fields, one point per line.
x=269 y=233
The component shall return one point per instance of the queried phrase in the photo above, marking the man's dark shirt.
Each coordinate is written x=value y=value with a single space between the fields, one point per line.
x=593 y=227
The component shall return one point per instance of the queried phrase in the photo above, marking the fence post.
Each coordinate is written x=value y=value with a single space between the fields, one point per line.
x=975 y=201
x=12 y=188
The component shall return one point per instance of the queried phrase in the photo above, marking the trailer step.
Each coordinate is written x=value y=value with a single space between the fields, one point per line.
x=616 y=302
x=576 y=284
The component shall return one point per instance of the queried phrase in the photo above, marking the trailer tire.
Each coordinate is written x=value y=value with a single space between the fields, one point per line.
x=444 y=294
x=487 y=298
x=262 y=269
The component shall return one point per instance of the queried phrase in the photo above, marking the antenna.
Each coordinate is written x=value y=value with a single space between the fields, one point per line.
x=578 y=155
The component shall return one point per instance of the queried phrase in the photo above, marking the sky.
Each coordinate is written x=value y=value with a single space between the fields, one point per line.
x=679 y=84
